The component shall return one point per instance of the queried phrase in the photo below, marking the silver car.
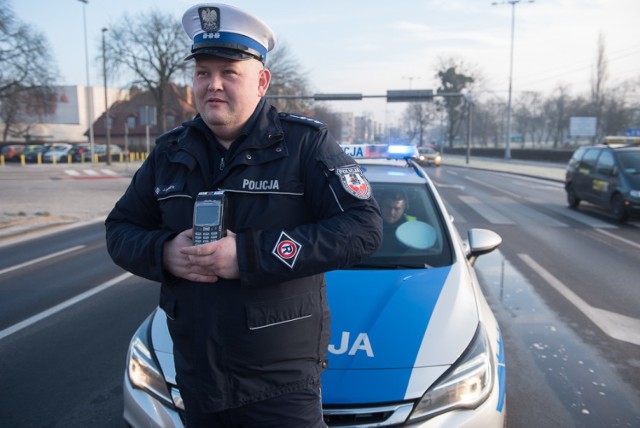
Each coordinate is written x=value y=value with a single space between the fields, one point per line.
x=413 y=341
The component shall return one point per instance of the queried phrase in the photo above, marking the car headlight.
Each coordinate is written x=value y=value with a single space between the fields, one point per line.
x=143 y=369
x=466 y=384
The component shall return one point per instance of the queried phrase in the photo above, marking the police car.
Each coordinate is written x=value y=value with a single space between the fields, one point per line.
x=413 y=340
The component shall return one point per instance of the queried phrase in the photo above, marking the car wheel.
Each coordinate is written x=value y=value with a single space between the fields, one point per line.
x=617 y=206
x=572 y=198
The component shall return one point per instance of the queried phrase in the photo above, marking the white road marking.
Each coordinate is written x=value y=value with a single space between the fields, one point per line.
x=526 y=215
x=40 y=259
x=626 y=241
x=51 y=311
x=581 y=217
x=617 y=326
x=485 y=210
x=92 y=173
x=496 y=188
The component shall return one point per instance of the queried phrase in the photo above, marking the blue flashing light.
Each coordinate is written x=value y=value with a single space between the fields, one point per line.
x=402 y=151
x=380 y=151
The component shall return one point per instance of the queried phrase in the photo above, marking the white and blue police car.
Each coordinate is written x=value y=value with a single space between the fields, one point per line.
x=413 y=340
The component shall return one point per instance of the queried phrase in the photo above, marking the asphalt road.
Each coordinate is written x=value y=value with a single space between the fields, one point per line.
x=567 y=365
x=564 y=289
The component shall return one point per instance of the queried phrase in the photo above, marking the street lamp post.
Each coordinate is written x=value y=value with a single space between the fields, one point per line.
x=468 y=97
x=507 y=147
x=89 y=91
x=107 y=118
x=410 y=79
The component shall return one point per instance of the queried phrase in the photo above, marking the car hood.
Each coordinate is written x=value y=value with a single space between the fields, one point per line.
x=400 y=329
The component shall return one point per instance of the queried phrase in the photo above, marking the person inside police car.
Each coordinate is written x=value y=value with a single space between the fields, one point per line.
x=393 y=207
x=248 y=313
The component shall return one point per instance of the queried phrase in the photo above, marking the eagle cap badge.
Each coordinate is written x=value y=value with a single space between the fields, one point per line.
x=209 y=19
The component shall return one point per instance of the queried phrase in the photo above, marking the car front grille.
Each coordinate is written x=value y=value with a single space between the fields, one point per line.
x=365 y=417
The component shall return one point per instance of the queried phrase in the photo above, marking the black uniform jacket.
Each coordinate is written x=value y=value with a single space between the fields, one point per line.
x=295 y=215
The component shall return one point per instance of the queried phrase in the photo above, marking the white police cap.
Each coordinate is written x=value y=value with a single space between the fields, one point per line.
x=226 y=31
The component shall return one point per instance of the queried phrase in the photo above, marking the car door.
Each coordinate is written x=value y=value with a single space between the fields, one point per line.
x=583 y=180
x=603 y=178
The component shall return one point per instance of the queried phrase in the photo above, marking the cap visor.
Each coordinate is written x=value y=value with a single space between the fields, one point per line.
x=223 y=53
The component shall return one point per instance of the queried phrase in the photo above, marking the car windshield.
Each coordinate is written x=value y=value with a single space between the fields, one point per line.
x=630 y=161
x=414 y=234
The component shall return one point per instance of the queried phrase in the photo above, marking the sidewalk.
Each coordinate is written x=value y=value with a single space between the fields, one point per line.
x=41 y=198
x=544 y=170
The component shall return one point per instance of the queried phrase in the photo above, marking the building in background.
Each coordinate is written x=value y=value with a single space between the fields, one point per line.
x=134 y=121
x=64 y=117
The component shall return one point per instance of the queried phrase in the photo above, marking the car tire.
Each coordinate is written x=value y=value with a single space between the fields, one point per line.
x=617 y=207
x=572 y=198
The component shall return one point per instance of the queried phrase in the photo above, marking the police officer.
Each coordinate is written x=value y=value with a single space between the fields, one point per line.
x=248 y=313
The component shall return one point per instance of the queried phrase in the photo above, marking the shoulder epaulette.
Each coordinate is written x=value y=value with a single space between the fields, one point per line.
x=302 y=119
x=170 y=135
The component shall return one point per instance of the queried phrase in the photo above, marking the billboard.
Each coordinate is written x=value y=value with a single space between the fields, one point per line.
x=582 y=126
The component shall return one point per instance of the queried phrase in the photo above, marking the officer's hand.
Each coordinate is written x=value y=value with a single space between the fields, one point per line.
x=217 y=258
x=179 y=265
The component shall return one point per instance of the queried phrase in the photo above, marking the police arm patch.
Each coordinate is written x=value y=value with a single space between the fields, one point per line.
x=287 y=250
x=354 y=182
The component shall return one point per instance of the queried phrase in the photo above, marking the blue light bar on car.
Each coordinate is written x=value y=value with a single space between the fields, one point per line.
x=380 y=151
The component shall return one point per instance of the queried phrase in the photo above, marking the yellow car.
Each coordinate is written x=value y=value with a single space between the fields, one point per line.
x=429 y=156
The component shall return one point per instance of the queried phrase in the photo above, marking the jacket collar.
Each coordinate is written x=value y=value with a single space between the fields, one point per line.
x=262 y=130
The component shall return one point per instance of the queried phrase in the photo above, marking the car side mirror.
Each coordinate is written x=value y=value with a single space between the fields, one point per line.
x=481 y=241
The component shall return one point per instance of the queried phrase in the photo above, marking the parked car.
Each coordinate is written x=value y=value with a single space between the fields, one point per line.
x=78 y=150
x=11 y=153
x=413 y=340
x=30 y=149
x=607 y=175
x=429 y=156
x=36 y=152
x=57 y=152
x=100 y=150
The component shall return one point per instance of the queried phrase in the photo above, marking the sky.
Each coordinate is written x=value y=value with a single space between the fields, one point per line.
x=371 y=46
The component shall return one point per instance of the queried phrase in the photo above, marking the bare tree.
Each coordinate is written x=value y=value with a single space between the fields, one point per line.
x=453 y=81
x=322 y=112
x=416 y=118
x=27 y=73
x=557 y=114
x=488 y=127
x=151 y=47
x=598 y=82
x=528 y=116
x=289 y=89
x=288 y=79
